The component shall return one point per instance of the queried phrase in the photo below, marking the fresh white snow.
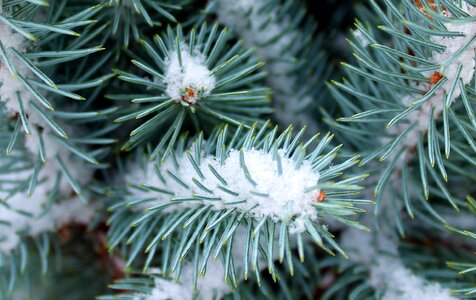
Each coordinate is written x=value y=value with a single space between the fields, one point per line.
x=279 y=197
x=379 y=253
x=189 y=78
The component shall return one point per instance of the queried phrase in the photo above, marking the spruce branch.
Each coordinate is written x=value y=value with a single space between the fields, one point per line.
x=412 y=80
x=197 y=77
x=388 y=273
x=31 y=95
x=154 y=285
x=211 y=201
x=41 y=182
x=279 y=189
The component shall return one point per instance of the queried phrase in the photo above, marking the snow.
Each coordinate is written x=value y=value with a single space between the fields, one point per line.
x=419 y=116
x=286 y=193
x=401 y=283
x=31 y=215
x=53 y=149
x=166 y=289
x=9 y=84
x=466 y=59
x=189 y=81
x=453 y=44
x=360 y=36
x=211 y=286
x=43 y=215
x=12 y=39
x=379 y=253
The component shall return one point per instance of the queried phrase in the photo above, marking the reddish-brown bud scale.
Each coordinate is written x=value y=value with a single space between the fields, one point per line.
x=321 y=197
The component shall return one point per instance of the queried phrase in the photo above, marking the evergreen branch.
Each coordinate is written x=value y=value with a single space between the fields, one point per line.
x=182 y=86
x=418 y=86
x=272 y=185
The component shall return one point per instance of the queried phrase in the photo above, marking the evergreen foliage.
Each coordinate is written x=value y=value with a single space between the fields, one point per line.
x=140 y=156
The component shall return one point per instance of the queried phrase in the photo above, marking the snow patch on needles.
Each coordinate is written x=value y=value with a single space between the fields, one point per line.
x=187 y=77
x=211 y=286
x=279 y=197
x=361 y=37
x=453 y=45
x=380 y=255
x=43 y=217
x=450 y=59
x=401 y=283
x=22 y=214
x=420 y=117
x=54 y=149
x=9 y=84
